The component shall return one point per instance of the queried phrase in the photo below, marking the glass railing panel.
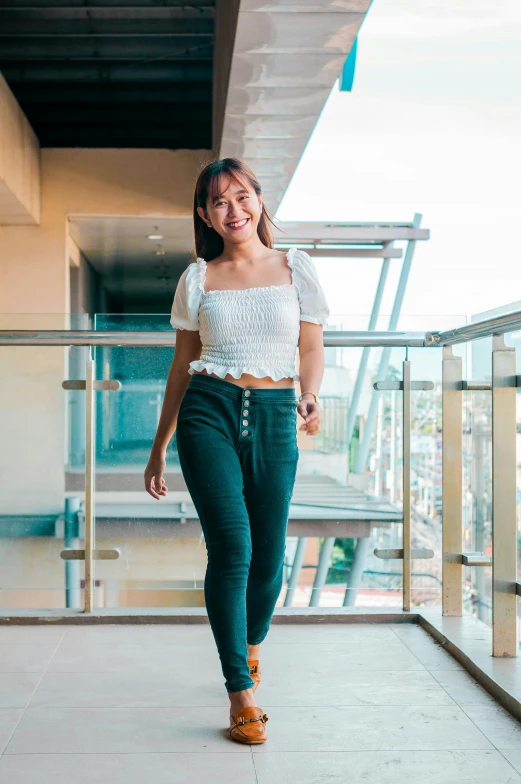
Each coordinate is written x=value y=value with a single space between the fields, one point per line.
x=163 y=556
x=37 y=519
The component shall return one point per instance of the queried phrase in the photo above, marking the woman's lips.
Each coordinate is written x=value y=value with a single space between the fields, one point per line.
x=241 y=226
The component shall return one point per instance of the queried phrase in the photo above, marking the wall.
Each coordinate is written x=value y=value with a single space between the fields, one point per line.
x=34 y=279
x=19 y=163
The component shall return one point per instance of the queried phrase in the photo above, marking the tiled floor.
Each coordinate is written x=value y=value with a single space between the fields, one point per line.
x=378 y=704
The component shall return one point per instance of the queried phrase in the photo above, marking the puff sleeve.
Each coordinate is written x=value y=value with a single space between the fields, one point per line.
x=313 y=303
x=187 y=298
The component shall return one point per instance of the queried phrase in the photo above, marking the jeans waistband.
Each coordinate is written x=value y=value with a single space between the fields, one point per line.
x=236 y=392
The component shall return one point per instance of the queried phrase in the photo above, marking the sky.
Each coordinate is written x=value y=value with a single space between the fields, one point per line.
x=432 y=125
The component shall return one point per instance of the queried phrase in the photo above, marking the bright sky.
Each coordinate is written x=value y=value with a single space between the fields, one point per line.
x=433 y=125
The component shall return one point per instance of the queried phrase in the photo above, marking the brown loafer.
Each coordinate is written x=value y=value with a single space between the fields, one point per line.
x=249 y=726
x=255 y=672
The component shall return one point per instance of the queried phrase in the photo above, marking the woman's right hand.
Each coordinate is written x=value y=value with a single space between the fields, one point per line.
x=154 y=481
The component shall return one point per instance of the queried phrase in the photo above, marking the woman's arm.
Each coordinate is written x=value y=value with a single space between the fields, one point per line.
x=187 y=348
x=311 y=371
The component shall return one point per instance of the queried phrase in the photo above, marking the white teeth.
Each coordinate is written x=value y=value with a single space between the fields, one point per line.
x=239 y=223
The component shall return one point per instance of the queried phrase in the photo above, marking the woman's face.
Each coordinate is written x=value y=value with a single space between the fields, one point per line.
x=235 y=212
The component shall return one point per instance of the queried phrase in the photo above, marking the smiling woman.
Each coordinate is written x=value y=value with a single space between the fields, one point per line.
x=240 y=311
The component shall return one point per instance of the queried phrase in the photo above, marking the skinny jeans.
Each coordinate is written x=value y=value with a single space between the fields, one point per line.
x=238 y=453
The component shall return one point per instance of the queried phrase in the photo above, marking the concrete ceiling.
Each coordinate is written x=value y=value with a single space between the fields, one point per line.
x=118 y=249
x=111 y=73
x=286 y=58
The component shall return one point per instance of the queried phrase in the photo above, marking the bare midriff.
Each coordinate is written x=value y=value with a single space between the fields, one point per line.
x=252 y=382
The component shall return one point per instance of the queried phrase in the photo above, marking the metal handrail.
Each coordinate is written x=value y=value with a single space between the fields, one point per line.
x=495 y=325
x=51 y=337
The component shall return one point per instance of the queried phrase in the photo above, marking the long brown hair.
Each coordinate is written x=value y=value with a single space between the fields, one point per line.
x=208 y=243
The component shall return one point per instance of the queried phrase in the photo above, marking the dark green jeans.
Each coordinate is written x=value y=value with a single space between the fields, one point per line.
x=238 y=454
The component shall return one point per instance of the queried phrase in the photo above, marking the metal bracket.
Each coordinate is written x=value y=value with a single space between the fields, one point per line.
x=381 y=386
x=474 y=386
x=397 y=554
x=476 y=559
x=97 y=555
x=101 y=385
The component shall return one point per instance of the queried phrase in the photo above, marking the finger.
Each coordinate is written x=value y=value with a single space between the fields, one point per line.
x=150 y=490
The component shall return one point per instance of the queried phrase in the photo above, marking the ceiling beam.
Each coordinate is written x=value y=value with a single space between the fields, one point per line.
x=112 y=93
x=195 y=6
x=346 y=233
x=129 y=47
x=146 y=137
x=73 y=113
x=192 y=73
x=98 y=28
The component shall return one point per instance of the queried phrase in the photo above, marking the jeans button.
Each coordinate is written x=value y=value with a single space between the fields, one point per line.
x=245 y=432
x=245 y=413
x=247 y=392
x=246 y=403
x=244 y=421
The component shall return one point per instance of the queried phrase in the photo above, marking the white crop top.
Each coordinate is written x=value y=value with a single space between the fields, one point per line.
x=253 y=330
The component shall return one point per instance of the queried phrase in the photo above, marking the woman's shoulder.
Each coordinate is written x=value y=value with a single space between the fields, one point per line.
x=301 y=262
x=193 y=275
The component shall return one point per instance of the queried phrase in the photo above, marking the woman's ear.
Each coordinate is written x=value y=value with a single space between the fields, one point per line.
x=202 y=214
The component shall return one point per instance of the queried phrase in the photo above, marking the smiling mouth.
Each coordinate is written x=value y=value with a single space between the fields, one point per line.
x=238 y=224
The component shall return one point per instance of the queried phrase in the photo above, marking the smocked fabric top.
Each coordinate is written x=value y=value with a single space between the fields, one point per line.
x=253 y=330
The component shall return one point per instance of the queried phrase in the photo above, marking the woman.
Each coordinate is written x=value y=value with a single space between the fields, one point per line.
x=240 y=311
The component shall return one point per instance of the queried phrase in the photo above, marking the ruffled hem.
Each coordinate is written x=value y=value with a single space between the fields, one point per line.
x=201 y=273
x=236 y=372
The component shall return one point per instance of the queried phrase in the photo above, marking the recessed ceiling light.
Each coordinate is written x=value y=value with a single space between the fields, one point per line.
x=155 y=237
x=160 y=252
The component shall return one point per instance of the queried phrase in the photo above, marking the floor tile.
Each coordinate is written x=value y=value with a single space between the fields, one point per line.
x=312 y=658
x=163 y=689
x=462 y=688
x=383 y=767
x=205 y=687
x=122 y=730
x=127 y=768
x=371 y=728
x=91 y=657
x=139 y=634
x=16 y=688
x=9 y=718
x=329 y=633
x=430 y=653
x=496 y=724
x=30 y=635
x=514 y=757
x=25 y=658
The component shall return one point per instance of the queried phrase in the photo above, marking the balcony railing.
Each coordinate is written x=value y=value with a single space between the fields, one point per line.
x=494 y=424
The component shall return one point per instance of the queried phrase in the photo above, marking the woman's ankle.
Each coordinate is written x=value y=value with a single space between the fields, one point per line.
x=253 y=651
x=241 y=699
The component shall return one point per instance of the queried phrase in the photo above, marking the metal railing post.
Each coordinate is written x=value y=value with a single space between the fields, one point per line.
x=504 y=524
x=406 y=483
x=452 y=483
x=89 y=484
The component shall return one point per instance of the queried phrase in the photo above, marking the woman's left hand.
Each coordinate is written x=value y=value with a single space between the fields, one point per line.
x=311 y=413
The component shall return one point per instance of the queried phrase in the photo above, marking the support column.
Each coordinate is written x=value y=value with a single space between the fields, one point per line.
x=323 y=566
x=296 y=568
x=452 y=483
x=504 y=524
